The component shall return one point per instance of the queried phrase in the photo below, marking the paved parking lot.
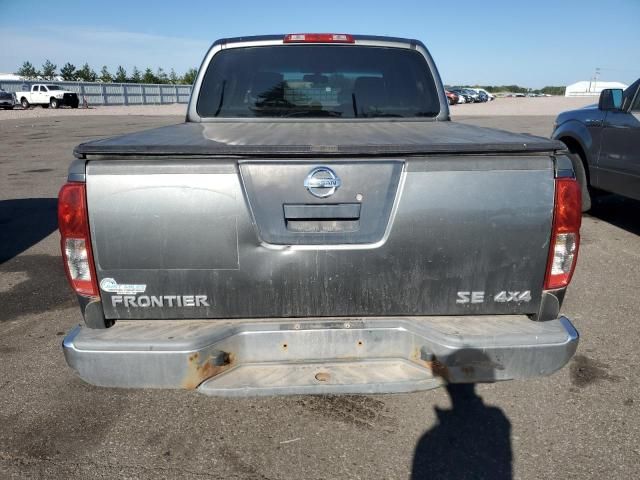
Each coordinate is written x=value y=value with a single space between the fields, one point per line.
x=583 y=422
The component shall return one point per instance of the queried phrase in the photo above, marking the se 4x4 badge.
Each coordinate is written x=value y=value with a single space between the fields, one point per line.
x=501 y=297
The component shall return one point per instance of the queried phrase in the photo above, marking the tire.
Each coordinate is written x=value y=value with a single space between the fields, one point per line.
x=53 y=103
x=581 y=177
x=75 y=105
x=25 y=103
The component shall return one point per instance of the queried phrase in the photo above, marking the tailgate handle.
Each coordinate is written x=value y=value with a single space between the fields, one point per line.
x=336 y=211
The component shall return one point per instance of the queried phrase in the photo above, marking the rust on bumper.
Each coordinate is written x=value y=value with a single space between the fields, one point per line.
x=200 y=370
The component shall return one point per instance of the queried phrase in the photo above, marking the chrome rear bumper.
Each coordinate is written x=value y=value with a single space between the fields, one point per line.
x=319 y=356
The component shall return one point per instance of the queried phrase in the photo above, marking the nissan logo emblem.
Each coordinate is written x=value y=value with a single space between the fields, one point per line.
x=322 y=182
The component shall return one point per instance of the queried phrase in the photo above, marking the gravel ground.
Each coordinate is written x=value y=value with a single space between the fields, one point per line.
x=146 y=110
x=581 y=423
x=500 y=106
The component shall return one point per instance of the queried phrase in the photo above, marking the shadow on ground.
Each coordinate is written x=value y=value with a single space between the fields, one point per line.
x=24 y=222
x=619 y=211
x=471 y=440
x=29 y=283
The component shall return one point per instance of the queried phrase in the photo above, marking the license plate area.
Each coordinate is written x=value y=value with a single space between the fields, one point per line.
x=289 y=209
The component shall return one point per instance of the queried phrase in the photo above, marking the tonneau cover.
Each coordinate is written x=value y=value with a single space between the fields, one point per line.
x=317 y=137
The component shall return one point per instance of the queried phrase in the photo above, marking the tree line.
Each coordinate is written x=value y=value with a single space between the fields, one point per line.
x=518 y=89
x=71 y=73
x=549 y=90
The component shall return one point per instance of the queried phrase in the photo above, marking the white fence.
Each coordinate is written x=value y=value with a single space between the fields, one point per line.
x=112 y=93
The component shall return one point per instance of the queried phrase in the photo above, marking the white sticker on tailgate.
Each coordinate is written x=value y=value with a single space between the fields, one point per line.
x=111 y=286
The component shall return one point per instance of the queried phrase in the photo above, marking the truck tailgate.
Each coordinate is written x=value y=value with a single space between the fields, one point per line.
x=227 y=238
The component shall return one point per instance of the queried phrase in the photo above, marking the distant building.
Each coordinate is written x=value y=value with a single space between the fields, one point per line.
x=10 y=76
x=590 y=88
x=7 y=77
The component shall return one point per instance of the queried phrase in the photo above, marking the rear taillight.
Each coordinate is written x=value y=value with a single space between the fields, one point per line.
x=318 y=38
x=73 y=222
x=565 y=234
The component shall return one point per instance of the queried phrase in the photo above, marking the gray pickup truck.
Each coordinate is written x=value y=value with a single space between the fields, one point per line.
x=319 y=225
x=604 y=141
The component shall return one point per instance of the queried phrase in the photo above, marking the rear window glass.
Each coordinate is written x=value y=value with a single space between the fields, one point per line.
x=318 y=81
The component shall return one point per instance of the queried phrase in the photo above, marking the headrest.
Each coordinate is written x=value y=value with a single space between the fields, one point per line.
x=316 y=78
x=369 y=92
x=265 y=81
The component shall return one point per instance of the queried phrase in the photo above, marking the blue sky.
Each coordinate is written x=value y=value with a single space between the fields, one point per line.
x=533 y=43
